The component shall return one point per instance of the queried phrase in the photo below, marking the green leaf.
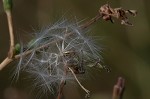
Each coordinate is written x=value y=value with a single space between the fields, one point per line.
x=7 y=5
x=17 y=48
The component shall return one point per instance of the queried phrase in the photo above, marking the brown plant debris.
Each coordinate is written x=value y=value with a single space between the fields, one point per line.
x=108 y=13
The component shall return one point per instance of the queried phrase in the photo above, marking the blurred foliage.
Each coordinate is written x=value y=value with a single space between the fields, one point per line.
x=126 y=49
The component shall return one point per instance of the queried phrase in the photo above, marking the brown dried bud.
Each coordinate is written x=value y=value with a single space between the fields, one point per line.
x=107 y=13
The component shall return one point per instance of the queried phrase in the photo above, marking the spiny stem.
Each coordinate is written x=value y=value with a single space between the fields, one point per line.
x=87 y=91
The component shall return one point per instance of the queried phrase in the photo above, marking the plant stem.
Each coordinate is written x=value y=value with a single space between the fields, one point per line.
x=118 y=89
x=5 y=62
x=90 y=22
x=11 y=34
x=8 y=59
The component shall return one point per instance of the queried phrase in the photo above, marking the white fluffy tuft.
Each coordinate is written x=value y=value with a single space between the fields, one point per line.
x=46 y=65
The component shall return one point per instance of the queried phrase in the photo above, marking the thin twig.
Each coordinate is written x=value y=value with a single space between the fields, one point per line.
x=87 y=91
x=11 y=34
x=11 y=52
x=93 y=20
x=5 y=62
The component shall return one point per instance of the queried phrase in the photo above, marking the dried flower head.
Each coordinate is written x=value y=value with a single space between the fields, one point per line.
x=58 y=53
x=107 y=13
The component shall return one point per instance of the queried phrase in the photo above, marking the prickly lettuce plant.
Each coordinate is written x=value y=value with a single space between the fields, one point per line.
x=60 y=52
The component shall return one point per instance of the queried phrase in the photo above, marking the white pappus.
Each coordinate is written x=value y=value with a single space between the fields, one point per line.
x=55 y=50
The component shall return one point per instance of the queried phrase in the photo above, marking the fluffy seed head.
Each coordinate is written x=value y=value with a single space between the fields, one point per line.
x=54 y=49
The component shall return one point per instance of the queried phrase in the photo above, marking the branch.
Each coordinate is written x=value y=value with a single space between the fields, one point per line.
x=8 y=9
x=93 y=20
x=11 y=34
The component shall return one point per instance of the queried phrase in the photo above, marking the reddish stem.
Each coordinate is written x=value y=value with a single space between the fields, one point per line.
x=118 y=89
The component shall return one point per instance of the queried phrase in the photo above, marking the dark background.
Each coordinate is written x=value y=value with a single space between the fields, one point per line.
x=126 y=49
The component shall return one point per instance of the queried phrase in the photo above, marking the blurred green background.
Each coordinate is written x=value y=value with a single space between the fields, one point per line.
x=126 y=49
